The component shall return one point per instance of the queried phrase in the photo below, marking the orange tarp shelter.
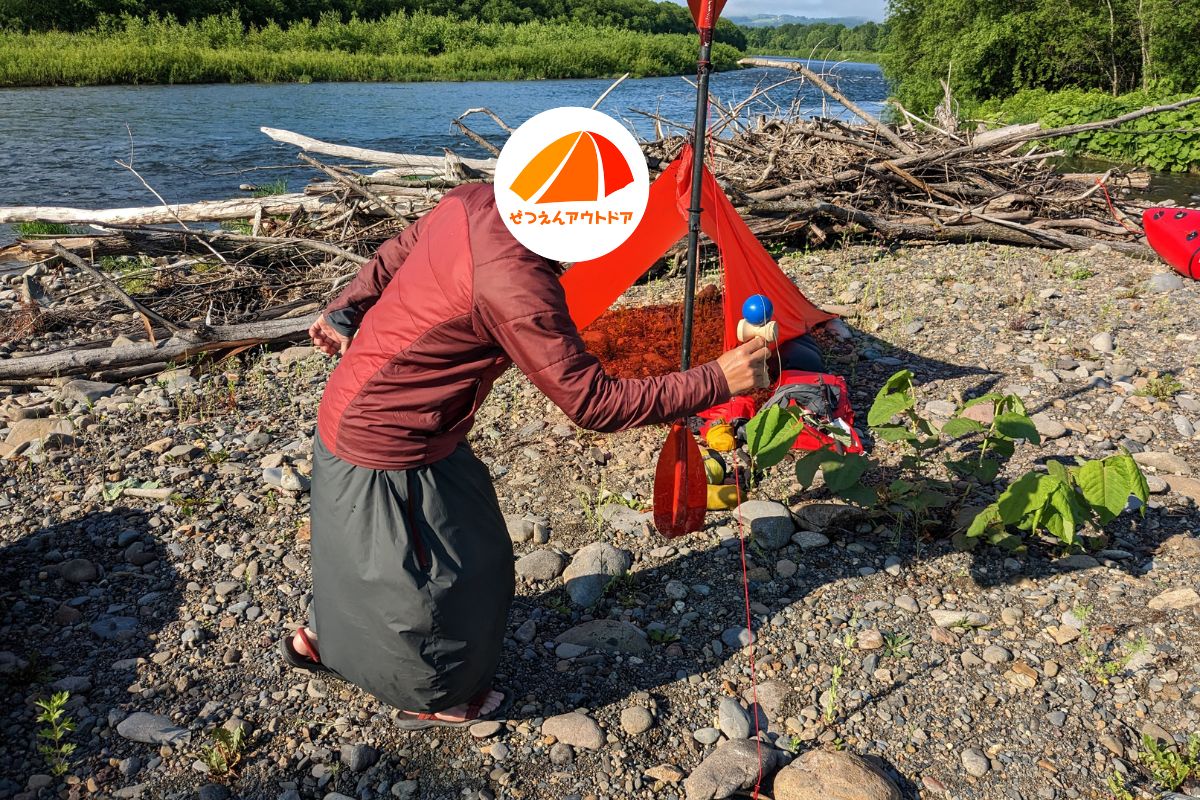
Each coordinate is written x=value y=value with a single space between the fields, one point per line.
x=748 y=269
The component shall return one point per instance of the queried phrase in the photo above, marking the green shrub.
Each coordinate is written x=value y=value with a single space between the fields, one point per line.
x=1169 y=141
x=399 y=47
x=55 y=749
x=31 y=229
x=1062 y=501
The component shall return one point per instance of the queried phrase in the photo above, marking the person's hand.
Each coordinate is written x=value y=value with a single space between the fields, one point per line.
x=326 y=339
x=745 y=367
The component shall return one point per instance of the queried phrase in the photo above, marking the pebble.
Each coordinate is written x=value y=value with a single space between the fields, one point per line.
x=994 y=654
x=114 y=628
x=807 y=540
x=1163 y=462
x=405 y=790
x=1175 y=599
x=1102 y=343
x=574 y=729
x=607 y=636
x=486 y=729
x=833 y=775
x=147 y=728
x=1165 y=282
x=731 y=766
x=540 y=565
x=78 y=570
x=734 y=721
x=358 y=757
x=636 y=720
x=948 y=618
x=561 y=754
x=870 y=639
x=1048 y=428
x=975 y=762
x=737 y=637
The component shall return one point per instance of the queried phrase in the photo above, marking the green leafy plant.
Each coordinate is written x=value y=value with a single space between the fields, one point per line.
x=792 y=744
x=662 y=636
x=1082 y=274
x=916 y=494
x=112 y=491
x=1163 y=387
x=897 y=645
x=831 y=697
x=32 y=229
x=54 y=748
x=1170 y=767
x=623 y=588
x=1062 y=500
x=225 y=753
x=278 y=186
x=238 y=226
x=558 y=605
x=1116 y=785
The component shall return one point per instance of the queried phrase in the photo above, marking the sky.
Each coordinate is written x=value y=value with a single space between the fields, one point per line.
x=873 y=9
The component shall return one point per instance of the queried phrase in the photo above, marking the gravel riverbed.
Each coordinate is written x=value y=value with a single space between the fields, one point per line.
x=155 y=547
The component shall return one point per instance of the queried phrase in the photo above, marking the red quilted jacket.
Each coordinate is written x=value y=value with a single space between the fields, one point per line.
x=439 y=313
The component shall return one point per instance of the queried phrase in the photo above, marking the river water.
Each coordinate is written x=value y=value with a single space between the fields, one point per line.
x=58 y=146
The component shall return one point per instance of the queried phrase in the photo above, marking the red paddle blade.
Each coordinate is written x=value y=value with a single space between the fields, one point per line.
x=680 y=485
x=705 y=12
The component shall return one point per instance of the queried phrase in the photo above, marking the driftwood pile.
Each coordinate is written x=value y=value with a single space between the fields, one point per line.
x=173 y=285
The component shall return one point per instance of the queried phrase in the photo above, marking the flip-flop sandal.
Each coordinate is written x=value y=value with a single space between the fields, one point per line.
x=295 y=660
x=408 y=721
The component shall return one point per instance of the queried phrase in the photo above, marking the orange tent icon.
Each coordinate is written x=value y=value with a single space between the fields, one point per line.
x=581 y=166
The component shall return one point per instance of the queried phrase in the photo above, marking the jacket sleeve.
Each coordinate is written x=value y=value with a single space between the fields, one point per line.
x=522 y=307
x=346 y=311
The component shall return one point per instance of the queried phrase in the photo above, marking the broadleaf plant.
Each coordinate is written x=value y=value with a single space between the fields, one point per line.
x=1062 y=501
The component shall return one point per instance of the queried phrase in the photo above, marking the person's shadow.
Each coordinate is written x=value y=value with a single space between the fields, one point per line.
x=81 y=602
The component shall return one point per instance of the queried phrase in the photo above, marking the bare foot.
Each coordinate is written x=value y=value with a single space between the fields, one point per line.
x=456 y=714
x=301 y=647
x=459 y=713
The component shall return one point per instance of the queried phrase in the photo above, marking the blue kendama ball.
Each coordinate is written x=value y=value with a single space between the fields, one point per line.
x=757 y=310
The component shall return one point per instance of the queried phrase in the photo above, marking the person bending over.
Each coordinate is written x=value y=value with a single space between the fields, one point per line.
x=412 y=565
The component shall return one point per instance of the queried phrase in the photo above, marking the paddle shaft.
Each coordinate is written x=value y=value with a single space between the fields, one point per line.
x=703 y=70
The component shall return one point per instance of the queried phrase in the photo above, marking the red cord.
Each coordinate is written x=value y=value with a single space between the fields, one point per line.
x=737 y=482
x=1112 y=209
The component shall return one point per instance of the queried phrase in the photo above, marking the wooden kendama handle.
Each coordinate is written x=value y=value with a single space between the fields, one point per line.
x=769 y=331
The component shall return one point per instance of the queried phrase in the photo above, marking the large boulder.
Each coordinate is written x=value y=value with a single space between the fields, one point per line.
x=731 y=767
x=588 y=574
x=833 y=775
x=608 y=636
x=771 y=526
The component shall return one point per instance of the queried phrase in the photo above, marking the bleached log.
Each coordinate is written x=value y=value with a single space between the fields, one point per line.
x=203 y=211
x=432 y=165
x=181 y=345
x=1002 y=134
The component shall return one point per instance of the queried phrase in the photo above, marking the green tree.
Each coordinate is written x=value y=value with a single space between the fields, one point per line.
x=996 y=48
